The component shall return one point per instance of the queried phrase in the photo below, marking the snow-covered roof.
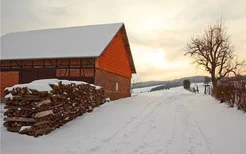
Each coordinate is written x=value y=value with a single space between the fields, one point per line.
x=82 y=41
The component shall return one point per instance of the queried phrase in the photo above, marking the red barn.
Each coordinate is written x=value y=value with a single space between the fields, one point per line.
x=97 y=54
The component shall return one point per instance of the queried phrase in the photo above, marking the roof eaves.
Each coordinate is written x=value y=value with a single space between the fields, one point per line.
x=48 y=58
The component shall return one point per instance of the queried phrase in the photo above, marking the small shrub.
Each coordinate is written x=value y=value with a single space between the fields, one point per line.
x=207 y=80
x=186 y=84
x=160 y=88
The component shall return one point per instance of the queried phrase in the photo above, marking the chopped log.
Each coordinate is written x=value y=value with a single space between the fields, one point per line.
x=43 y=114
x=19 y=108
x=41 y=122
x=26 y=98
x=19 y=119
x=16 y=124
x=14 y=129
x=25 y=129
x=56 y=106
x=47 y=101
x=42 y=131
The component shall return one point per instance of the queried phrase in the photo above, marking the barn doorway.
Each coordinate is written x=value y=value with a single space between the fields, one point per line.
x=27 y=76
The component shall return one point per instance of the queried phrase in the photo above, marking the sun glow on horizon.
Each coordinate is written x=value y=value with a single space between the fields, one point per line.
x=155 y=58
x=158 y=59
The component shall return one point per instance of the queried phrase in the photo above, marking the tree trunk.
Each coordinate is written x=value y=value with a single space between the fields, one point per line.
x=214 y=81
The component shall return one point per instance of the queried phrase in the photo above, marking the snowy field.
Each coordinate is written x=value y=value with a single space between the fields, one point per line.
x=142 y=90
x=147 y=89
x=172 y=121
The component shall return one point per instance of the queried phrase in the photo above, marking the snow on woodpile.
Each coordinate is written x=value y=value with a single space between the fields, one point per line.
x=44 y=105
x=232 y=92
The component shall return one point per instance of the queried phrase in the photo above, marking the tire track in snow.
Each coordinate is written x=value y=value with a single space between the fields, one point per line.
x=148 y=117
x=102 y=143
x=198 y=126
x=188 y=135
x=145 y=140
x=132 y=120
x=174 y=128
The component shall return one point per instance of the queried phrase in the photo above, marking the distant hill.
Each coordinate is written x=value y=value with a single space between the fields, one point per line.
x=178 y=82
x=235 y=78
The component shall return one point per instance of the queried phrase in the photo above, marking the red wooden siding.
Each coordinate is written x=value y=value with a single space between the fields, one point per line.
x=8 y=79
x=108 y=81
x=114 y=58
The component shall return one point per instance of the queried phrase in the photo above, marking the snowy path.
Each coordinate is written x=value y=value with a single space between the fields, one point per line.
x=165 y=122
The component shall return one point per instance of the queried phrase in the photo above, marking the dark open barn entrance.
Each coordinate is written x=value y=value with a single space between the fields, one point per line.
x=27 y=76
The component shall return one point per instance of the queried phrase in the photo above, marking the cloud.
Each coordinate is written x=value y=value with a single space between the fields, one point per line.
x=152 y=26
x=57 y=11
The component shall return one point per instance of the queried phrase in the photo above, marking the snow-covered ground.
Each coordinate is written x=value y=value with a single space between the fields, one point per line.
x=173 y=121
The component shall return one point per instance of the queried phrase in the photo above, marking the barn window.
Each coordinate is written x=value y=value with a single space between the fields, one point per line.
x=116 y=86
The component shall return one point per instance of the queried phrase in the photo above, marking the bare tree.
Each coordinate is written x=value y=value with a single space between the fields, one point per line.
x=214 y=52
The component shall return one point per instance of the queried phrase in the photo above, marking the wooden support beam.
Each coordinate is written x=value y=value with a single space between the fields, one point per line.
x=80 y=66
x=43 y=63
x=32 y=63
x=65 y=73
x=94 y=75
x=17 y=63
x=51 y=62
x=56 y=63
x=21 y=63
x=69 y=67
x=61 y=63
x=88 y=60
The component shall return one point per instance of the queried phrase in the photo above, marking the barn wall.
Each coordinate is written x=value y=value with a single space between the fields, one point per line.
x=87 y=75
x=8 y=79
x=74 y=72
x=108 y=81
x=114 y=58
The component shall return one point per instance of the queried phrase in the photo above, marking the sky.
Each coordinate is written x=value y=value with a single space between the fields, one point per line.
x=158 y=30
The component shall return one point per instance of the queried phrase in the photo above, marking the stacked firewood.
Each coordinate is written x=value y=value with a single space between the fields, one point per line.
x=36 y=113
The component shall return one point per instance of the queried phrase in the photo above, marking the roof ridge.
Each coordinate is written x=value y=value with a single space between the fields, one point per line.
x=37 y=30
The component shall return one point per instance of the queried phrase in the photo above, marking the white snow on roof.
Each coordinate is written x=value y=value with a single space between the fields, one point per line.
x=82 y=41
